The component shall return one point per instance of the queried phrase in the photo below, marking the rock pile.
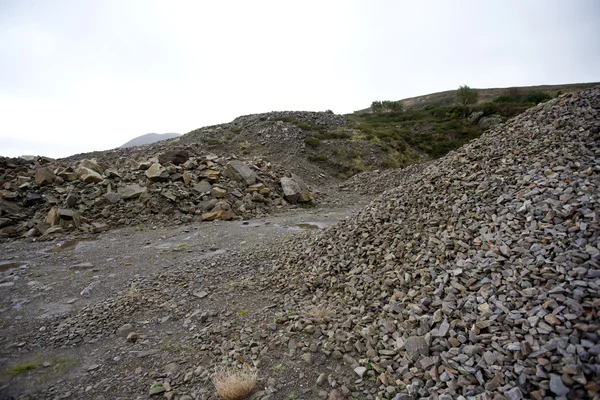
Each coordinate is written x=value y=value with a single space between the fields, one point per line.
x=479 y=275
x=42 y=196
x=377 y=182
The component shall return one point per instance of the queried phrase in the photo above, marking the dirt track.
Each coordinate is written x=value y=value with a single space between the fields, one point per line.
x=193 y=294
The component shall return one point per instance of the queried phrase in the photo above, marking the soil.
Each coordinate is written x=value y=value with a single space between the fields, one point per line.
x=155 y=279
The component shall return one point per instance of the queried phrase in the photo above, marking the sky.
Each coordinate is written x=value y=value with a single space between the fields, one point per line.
x=85 y=75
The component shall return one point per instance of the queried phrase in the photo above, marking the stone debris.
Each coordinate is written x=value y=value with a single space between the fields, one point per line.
x=93 y=196
x=476 y=274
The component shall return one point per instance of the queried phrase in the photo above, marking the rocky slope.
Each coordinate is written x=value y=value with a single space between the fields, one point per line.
x=479 y=275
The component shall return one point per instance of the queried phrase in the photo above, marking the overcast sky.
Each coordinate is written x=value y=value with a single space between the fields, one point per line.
x=87 y=75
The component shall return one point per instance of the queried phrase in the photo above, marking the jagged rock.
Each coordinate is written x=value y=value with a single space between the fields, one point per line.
x=176 y=157
x=240 y=172
x=157 y=173
x=211 y=174
x=489 y=122
x=416 y=347
x=33 y=198
x=112 y=173
x=131 y=191
x=224 y=215
x=218 y=193
x=53 y=230
x=53 y=218
x=475 y=116
x=144 y=165
x=44 y=176
x=124 y=330
x=89 y=176
x=203 y=187
x=93 y=165
x=68 y=174
x=7 y=207
x=113 y=197
x=294 y=190
x=65 y=213
x=98 y=227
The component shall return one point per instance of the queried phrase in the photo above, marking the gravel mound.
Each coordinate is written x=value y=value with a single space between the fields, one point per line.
x=478 y=275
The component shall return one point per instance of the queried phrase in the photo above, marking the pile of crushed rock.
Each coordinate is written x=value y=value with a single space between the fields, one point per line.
x=41 y=196
x=478 y=276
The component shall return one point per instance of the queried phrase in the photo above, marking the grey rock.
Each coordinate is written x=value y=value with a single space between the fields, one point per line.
x=557 y=385
x=238 y=171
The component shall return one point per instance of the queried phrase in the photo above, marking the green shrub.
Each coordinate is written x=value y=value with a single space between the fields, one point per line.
x=537 y=97
x=465 y=95
x=387 y=105
x=328 y=112
x=312 y=141
x=505 y=99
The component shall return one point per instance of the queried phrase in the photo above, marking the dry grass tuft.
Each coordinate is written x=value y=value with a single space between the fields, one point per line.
x=235 y=383
x=319 y=314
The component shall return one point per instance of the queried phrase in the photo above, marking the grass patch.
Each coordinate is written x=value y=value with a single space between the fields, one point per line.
x=20 y=368
x=235 y=383
x=312 y=141
x=319 y=314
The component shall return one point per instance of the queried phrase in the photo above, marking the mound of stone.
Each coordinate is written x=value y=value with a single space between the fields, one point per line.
x=478 y=276
x=41 y=196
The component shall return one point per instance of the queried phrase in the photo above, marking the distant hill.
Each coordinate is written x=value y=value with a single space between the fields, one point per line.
x=150 y=138
x=448 y=97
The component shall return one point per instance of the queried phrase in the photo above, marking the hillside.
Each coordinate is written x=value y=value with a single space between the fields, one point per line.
x=339 y=146
x=149 y=138
x=448 y=97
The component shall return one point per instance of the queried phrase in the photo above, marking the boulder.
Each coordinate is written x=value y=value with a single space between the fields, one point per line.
x=157 y=173
x=224 y=215
x=53 y=218
x=474 y=117
x=44 y=176
x=98 y=227
x=203 y=187
x=65 y=213
x=489 y=122
x=7 y=207
x=93 y=165
x=295 y=190
x=131 y=191
x=68 y=174
x=88 y=175
x=176 y=157
x=240 y=172
x=144 y=165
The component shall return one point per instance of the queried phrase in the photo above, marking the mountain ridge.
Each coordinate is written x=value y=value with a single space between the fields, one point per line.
x=149 y=138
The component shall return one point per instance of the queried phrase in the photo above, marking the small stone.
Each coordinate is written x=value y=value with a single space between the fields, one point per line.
x=557 y=386
x=322 y=379
x=132 y=337
x=360 y=371
x=514 y=394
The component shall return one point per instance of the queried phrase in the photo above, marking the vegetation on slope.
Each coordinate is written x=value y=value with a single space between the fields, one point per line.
x=405 y=137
